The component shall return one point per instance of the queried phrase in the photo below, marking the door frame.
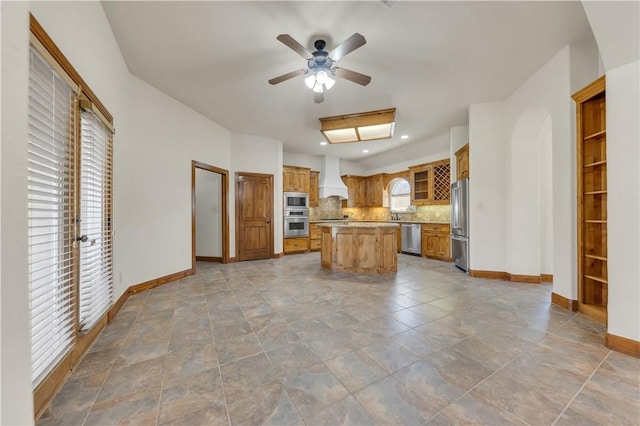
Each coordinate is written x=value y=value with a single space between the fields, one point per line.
x=238 y=209
x=224 y=195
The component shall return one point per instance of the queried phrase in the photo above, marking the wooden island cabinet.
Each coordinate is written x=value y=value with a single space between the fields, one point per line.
x=359 y=247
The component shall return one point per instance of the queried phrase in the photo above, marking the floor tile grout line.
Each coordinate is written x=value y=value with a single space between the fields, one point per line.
x=213 y=337
x=481 y=382
x=164 y=364
x=86 y=417
x=573 y=398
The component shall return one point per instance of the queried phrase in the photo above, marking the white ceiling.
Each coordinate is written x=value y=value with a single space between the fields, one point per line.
x=430 y=60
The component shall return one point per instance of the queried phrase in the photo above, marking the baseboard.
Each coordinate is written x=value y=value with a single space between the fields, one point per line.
x=530 y=279
x=500 y=275
x=492 y=275
x=117 y=306
x=277 y=255
x=216 y=259
x=159 y=281
x=563 y=302
x=622 y=344
x=232 y=259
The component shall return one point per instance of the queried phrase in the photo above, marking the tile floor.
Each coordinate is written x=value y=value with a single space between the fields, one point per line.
x=282 y=341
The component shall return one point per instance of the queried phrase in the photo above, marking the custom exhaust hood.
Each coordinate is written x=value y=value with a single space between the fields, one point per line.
x=330 y=181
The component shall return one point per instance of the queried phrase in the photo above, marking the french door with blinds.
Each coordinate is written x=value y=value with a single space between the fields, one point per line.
x=69 y=215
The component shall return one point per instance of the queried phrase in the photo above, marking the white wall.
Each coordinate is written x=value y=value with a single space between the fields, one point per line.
x=313 y=162
x=487 y=192
x=434 y=149
x=616 y=27
x=259 y=155
x=153 y=183
x=208 y=213
x=409 y=154
x=623 y=183
x=156 y=139
x=15 y=350
x=516 y=130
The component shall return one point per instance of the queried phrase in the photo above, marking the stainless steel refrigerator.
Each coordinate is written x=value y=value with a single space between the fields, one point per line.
x=460 y=224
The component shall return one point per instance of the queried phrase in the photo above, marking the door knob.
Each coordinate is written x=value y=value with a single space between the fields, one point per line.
x=83 y=238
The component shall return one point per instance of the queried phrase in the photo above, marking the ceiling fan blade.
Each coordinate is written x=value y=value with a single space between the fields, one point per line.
x=356 y=77
x=318 y=97
x=291 y=43
x=347 y=46
x=286 y=76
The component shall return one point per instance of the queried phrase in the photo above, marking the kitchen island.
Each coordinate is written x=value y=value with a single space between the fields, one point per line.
x=359 y=247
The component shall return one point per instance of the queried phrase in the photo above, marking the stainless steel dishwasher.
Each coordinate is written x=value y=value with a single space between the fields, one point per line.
x=411 y=238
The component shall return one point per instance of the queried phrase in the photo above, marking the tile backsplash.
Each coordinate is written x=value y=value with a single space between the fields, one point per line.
x=331 y=208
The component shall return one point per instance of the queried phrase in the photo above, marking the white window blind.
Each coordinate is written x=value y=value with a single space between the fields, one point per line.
x=96 y=271
x=51 y=216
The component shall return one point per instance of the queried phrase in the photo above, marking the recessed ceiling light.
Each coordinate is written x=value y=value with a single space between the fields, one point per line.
x=323 y=143
x=365 y=150
x=404 y=137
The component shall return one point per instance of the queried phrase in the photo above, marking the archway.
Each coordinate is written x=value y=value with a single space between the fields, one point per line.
x=529 y=195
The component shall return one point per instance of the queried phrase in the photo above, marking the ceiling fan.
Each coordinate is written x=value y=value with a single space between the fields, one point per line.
x=320 y=67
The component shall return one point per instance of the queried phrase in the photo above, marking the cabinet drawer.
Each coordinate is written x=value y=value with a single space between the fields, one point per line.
x=435 y=227
x=315 y=244
x=296 y=245
x=314 y=231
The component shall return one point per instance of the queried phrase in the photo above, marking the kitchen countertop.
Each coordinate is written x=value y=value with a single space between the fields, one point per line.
x=358 y=224
x=380 y=221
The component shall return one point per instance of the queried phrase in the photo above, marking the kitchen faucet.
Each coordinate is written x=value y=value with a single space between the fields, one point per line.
x=394 y=215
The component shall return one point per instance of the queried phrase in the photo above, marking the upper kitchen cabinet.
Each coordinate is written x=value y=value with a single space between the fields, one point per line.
x=357 y=190
x=430 y=183
x=462 y=162
x=314 y=183
x=373 y=190
x=593 y=283
x=295 y=179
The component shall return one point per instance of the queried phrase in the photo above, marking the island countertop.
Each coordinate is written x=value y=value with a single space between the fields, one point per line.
x=354 y=224
x=427 y=222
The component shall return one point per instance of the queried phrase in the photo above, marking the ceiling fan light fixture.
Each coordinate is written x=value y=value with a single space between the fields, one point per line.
x=358 y=127
x=319 y=81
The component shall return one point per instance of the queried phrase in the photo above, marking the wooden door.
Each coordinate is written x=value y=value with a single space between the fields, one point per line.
x=254 y=216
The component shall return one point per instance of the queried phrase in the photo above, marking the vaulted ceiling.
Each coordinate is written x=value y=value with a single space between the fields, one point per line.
x=430 y=60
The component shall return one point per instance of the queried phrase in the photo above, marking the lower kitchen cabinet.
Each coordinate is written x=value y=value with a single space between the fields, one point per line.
x=315 y=241
x=435 y=241
x=296 y=245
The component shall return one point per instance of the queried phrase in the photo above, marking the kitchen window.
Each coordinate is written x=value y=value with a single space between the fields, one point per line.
x=399 y=195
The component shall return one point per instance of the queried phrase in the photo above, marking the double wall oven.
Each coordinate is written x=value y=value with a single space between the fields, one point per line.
x=296 y=214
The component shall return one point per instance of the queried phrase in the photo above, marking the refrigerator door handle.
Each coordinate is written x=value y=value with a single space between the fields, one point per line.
x=456 y=206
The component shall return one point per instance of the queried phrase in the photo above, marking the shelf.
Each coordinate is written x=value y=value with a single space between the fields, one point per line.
x=597 y=163
x=595 y=135
x=599 y=279
x=593 y=256
x=421 y=180
x=595 y=221
x=595 y=192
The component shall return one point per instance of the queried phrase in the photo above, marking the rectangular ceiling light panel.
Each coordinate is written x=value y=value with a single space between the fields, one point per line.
x=377 y=131
x=359 y=127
